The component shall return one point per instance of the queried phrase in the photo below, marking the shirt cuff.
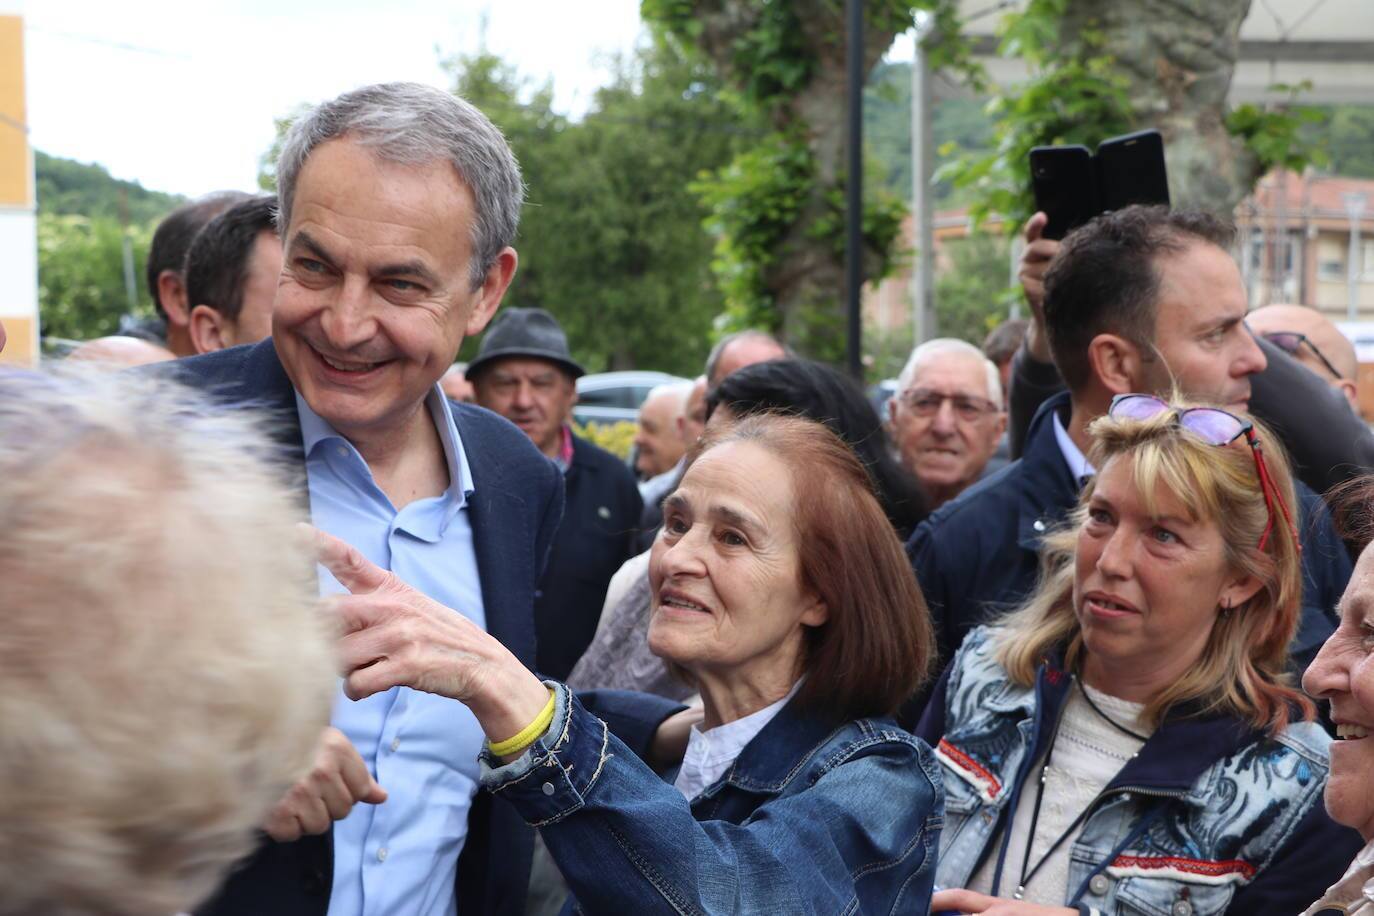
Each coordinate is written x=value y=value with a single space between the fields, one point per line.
x=551 y=779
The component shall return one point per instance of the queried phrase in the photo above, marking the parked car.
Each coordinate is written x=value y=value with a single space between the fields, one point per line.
x=613 y=397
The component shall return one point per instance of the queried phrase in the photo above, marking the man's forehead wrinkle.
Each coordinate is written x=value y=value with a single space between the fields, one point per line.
x=343 y=246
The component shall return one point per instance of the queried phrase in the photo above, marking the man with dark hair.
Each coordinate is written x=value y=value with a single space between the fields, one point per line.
x=525 y=372
x=1140 y=300
x=231 y=276
x=167 y=260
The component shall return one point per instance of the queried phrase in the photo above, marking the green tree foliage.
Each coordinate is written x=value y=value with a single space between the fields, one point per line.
x=1346 y=134
x=77 y=189
x=777 y=207
x=971 y=292
x=958 y=127
x=81 y=208
x=81 y=292
x=1100 y=68
x=611 y=240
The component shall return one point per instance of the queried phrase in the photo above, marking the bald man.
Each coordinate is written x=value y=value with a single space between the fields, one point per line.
x=1309 y=337
x=118 y=352
x=658 y=436
x=743 y=348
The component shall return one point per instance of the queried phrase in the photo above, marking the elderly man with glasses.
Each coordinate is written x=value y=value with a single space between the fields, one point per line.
x=1309 y=337
x=947 y=416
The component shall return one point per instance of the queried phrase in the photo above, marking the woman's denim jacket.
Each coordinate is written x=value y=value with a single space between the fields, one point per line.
x=1210 y=817
x=811 y=818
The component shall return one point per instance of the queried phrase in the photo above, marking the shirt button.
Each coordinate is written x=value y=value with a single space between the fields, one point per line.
x=381 y=854
x=1182 y=908
x=395 y=745
x=343 y=451
x=548 y=788
x=1099 y=884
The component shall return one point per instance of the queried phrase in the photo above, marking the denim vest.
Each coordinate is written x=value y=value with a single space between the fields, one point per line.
x=811 y=818
x=1189 y=826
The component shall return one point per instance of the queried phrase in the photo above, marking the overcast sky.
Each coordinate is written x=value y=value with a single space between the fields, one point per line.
x=181 y=96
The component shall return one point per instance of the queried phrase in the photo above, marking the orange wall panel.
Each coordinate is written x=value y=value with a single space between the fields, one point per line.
x=16 y=184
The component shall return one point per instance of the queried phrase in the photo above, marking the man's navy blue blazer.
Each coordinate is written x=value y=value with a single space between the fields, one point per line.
x=515 y=510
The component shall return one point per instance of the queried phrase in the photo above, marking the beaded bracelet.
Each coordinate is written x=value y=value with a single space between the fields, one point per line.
x=527 y=735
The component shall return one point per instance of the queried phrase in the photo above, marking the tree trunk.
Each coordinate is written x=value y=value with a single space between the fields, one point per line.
x=1179 y=56
x=806 y=276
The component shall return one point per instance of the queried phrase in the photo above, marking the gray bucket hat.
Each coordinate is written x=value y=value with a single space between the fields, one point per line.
x=525 y=332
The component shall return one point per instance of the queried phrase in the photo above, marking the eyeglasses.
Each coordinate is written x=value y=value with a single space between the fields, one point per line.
x=1214 y=427
x=1291 y=341
x=926 y=403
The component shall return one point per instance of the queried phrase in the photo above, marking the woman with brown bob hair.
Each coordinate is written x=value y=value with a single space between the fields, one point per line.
x=781 y=591
x=1129 y=740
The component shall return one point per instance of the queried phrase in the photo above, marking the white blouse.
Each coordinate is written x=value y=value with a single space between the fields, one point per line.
x=1088 y=752
x=710 y=753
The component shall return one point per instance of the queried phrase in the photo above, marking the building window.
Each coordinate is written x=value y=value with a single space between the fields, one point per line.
x=1331 y=252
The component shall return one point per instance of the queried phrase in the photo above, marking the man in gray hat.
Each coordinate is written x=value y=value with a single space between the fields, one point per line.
x=525 y=372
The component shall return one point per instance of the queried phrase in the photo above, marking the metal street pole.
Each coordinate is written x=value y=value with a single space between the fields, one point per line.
x=922 y=200
x=853 y=265
x=1354 y=208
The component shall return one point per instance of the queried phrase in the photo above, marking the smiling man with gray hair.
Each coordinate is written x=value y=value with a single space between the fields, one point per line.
x=947 y=416
x=398 y=206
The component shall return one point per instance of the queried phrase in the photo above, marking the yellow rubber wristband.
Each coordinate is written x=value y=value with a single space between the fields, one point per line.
x=527 y=735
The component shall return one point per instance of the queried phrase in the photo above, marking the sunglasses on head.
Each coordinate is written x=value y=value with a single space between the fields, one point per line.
x=1214 y=427
x=1291 y=341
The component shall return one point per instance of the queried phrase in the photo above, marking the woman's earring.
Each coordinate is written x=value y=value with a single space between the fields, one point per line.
x=1226 y=608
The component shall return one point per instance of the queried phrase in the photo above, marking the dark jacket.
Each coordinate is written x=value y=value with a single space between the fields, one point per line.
x=600 y=520
x=1326 y=441
x=814 y=816
x=514 y=513
x=978 y=555
x=1210 y=816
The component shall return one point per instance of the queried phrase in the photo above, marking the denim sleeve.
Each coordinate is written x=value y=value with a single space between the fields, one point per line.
x=861 y=837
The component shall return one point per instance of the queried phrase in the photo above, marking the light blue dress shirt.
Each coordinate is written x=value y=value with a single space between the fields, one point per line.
x=401 y=857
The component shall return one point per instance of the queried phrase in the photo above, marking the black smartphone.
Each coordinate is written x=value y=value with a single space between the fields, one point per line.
x=1130 y=170
x=1064 y=181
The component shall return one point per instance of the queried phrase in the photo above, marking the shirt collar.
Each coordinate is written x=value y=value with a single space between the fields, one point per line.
x=565 y=450
x=1073 y=456
x=315 y=430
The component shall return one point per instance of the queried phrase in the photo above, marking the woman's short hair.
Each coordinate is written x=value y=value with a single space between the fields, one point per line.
x=818 y=392
x=1242 y=668
x=164 y=671
x=875 y=647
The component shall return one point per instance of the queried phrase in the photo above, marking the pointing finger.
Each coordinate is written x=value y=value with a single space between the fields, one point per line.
x=1035 y=225
x=353 y=570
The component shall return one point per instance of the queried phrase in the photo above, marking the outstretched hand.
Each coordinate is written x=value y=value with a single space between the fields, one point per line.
x=395 y=635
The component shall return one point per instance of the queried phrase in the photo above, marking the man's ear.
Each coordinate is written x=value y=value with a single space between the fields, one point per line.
x=1352 y=393
x=207 y=330
x=171 y=292
x=488 y=300
x=1117 y=363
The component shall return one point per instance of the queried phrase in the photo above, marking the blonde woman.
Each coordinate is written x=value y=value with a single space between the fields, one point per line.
x=1127 y=742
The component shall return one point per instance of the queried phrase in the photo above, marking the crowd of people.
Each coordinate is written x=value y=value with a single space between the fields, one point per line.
x=302 y=617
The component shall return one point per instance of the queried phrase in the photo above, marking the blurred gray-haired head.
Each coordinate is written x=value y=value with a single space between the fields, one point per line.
x=164 y=668
x=415 y=124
